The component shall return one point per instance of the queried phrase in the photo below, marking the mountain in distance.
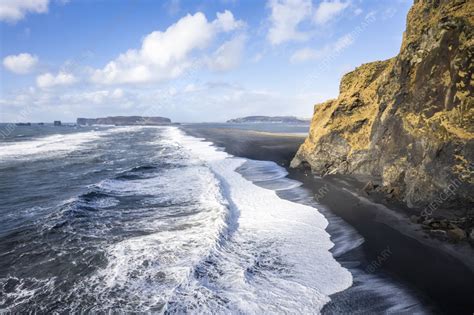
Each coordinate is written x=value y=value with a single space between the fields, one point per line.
x=269 y=119
x=125 y=121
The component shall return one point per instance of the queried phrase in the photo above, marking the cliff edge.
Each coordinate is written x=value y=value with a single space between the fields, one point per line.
x=408 y=121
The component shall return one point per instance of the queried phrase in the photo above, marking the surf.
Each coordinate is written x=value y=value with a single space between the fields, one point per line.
x=277 y=257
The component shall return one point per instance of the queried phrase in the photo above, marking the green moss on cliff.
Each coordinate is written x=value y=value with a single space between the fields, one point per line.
x=409 y=119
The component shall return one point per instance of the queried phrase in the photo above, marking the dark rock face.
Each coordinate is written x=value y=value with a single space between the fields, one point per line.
x=269 y=119
x=124 y=121
x=409 y=120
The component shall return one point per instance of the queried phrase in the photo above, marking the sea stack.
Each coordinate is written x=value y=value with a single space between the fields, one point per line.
x=407 y=121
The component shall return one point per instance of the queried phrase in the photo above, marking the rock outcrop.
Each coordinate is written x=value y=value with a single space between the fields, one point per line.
x=125 y=121
x=407 y=121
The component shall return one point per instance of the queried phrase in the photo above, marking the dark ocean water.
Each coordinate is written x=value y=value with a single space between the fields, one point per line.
x=149 y=219
x=265 y=127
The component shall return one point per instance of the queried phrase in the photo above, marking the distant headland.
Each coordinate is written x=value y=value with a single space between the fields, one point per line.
x=269 y=119
x=125 y=121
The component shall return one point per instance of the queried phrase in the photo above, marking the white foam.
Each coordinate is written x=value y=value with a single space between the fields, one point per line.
x=45 y=145
x=55 y=144
x=145 y=270
x=277 y=258
x=23 y=292
x=220 y=244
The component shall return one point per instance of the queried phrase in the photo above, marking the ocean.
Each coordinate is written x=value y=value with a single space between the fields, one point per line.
x=150 y=219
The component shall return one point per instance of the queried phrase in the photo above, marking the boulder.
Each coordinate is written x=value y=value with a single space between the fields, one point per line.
x=444 y=224
x=456 y=235
x=369 y=187
x=435 y=225
x=471 y=237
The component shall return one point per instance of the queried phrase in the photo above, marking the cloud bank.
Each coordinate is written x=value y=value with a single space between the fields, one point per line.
x=48 y=80
x=168 y=54
x=287 y=16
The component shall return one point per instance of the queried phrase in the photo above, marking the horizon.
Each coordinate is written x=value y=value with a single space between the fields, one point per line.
x=190 y=62
x=132 y=115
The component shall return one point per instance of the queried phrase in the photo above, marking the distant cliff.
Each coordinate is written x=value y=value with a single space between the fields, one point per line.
x=124 y=121
x=269 y=119
x=409 y=120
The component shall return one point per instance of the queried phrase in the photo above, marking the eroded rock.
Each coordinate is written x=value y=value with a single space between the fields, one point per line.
x=456 y=234
x=410 y=119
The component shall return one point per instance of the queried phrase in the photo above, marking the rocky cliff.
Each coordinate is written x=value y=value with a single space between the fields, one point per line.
x=124 y=121
x=407 y=121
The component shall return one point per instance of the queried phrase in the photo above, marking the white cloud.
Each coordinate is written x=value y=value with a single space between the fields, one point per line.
x=206 y=103
x=327 y=10
x=218 y=101
x=48 y=80
x=21 y=63
x=166 y=55
x=307 y=54
x=117 y=93
x=226 y=22
x=228 y=55
x=343 y=42
x=285 y=17
x=191 y=88
x=15 y=10
x=95 y=97
x=211 y=101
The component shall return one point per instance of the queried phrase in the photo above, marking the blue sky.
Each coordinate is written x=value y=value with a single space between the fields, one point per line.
x=187 y=60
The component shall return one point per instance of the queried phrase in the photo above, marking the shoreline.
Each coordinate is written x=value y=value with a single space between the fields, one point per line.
x=437 y=272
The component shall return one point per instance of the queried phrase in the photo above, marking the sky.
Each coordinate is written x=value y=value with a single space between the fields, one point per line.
x=191 y=61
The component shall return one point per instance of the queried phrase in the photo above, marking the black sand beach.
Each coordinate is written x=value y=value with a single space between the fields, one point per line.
x=392 y=247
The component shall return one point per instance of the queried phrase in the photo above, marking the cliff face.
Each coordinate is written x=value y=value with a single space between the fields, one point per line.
x=124 y=121
x=409 y=120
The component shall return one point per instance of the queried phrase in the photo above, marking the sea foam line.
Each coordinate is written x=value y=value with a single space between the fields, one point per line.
x=293 y=232
x=56 y=144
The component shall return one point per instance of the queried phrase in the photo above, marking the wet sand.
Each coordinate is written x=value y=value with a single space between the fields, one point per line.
x=392 y=248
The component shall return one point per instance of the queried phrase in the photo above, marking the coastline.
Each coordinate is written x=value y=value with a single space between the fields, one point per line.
x=437 y=273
